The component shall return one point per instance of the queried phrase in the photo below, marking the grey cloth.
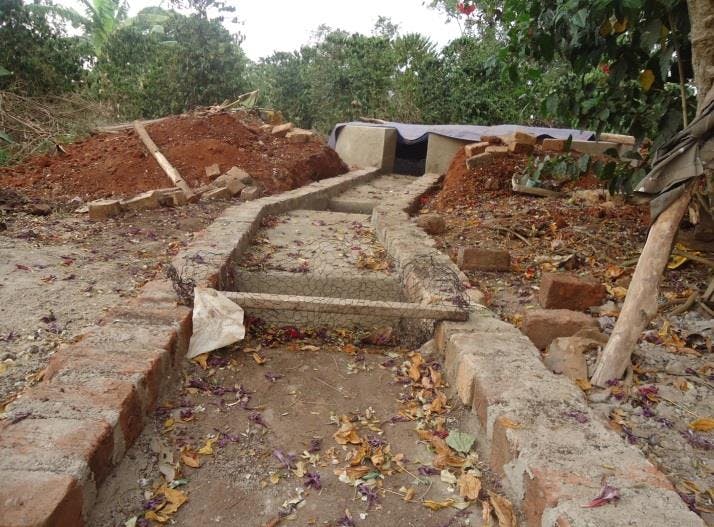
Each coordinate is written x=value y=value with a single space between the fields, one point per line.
x=677 y=162
x=416 y=133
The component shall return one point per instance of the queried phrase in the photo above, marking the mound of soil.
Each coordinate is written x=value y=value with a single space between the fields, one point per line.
x=118 y=164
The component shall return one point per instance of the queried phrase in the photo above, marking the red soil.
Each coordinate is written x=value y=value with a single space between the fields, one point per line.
x=118 y=164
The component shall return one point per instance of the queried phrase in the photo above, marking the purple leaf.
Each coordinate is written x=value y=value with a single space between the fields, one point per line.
x=427 y=471
x=607 y=494
x=369 y=494
x=697 y=440
x=286 y=459
x=272 y=377
x=312 y=481
x=257 y=418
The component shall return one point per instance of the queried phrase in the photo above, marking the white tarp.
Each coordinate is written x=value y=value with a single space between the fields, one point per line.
x=217 y=322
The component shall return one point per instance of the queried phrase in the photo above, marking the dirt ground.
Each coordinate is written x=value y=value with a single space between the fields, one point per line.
x=304 y=431
x=673 y=379
x=119 y=165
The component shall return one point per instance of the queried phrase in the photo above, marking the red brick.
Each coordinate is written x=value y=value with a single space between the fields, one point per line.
x=475 y=149
x=520 y=137
x=91 y=441
x=39 y=499
x=554 y=145
x=568 y=291
x=95 y=398
x=542 y=491
x=483 y=259
x=492 y=139
x=479 y=160
x=503 y=451
x=543 y=326
x=497 y=151
x=521 y=148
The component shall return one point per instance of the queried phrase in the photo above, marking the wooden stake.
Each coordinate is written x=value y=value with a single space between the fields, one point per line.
x=641 y=302
x=167 y=167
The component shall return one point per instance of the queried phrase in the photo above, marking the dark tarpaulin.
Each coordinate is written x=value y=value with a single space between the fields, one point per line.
x=416 y=133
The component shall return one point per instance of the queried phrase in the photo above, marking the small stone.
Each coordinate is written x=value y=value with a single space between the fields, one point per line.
x=475 y=149
x=543 y=326
x=432 y=223
x=213 y=171
x=230 y=181
x=282 y=129
x=250 y=193
x=568 y=291
x=566 y=355
x=104 y=208
x=483 y=259
x=243 y=176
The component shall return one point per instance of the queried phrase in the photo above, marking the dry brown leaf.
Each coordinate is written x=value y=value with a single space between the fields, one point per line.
x=409 y=495
x=486 y=513
x=438 y=505
x=347 y=434
x=207 y=449
x=469 y=486
x=378 y=457
x=355 y=473
x=190 y=459
x=359 y=455
x=416 y=361
x=438 y=405
x=503 y=509
x=202 y=360
x=259 y=359
x=681 y=384
x=584 y=384
x=703 y=424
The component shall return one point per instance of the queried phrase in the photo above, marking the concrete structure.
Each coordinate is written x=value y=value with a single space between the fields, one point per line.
x=363 y=146
x=440 y=152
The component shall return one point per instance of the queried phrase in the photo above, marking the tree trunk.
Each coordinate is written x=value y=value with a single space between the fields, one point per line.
x=641 y=302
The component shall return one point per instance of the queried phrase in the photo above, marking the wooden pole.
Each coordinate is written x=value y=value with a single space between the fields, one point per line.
x=641 y=302
x=167 y=167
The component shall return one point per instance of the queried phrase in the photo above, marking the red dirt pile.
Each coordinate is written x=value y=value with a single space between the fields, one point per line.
x=118 y=164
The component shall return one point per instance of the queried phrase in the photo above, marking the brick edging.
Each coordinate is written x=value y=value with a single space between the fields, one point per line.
x=61 y=438
x=535 y=428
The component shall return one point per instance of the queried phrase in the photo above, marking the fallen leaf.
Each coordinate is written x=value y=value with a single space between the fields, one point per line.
x=438 y=505
x=607 y=494
x=347 y=434
x=259 y=359
x=503 y=509
x=460 y=441
x=447 y=477
x=469 y=486
x=207 y=449
x=584 y=384
x=703 y=424
x=201 y=360
x=169 y=423
x=190 y=459
x=410 y=493
x=416 y=361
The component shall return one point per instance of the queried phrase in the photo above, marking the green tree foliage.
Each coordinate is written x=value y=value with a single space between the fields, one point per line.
x=395 y=77
x=150 y=69
x=37 y=58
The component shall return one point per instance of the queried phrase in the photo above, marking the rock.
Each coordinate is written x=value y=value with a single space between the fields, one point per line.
x=144 y=201
x=568 y=291
x=521 y=148
x=497 y=151
x=554 y=145
x=543 y=326
x=103 y=208
x=491 y=139
x=565 y=356
x=592 y=334
x=242 y=176
x=250 y=193
x=475 y=149
x=282 y=129
x=299 y=136
x=479 y=160
x=432 y=223
x=266 y=127
x=213 y=171
x=171 y=197
x=217 y=193
x=483 y=259
x=230 y=181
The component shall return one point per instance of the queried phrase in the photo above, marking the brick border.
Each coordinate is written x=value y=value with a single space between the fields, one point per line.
x=62 y=437
x=527 y=418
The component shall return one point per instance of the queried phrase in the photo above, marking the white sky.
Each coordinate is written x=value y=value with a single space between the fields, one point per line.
x=284 y=25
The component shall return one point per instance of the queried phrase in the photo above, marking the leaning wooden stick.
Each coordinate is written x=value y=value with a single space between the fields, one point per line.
x=167 y=167
x=641 y=302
